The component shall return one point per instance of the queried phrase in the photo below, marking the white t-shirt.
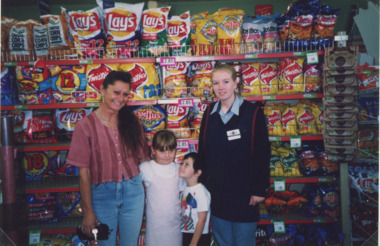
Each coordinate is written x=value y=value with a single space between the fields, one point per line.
x=194 y=199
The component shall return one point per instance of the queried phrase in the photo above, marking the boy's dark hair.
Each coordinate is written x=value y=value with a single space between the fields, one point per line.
x=197 y=165
x=164 y=140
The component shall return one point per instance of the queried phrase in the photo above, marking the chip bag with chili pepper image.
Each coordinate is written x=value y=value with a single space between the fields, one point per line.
x=275 y=205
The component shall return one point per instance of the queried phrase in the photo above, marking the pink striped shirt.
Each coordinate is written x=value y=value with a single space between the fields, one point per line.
x=100 y=148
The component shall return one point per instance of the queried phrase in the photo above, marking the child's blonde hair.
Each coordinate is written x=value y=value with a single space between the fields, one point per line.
x=164 y=140
x=225 y=67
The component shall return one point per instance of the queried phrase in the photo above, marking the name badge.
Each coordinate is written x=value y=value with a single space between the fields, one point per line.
x=233 y=134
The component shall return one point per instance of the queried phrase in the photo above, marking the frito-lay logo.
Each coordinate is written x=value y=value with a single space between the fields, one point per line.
x=289 y=116
x=267 y=74
x=250 y=74
x=154 y=21
x=306 y=118
x=210 y=31
x=201 y=66
x=274 y=118
x=96 y=76
x=231 y=25
x=72 y=116
x=149 y=115
x=139 y=77
x=179 y=66
x=292 y=72
x=175 y=110
x=122 y=22
x=85 y=22
x=177 y=29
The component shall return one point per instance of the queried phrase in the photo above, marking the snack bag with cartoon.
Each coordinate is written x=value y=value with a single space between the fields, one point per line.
x=288 y=120
x=66 y=120
x=153 y=33
x=268 y=78
x=69 y=83
x=121 y=26
x=273 y=114
x=250 y=78
x=200 y=79
x=175 y=80
x=206 y=36
x=86 y=29
x=292 y=76
x=178 y=32
x=178 y=120
x=193 y=29
x=230 y=23
x=152 y=117
x=34 y=85
x=145 y=81
x=60 y=41
x=252 y=35
x=198 y=112
x=95 y=75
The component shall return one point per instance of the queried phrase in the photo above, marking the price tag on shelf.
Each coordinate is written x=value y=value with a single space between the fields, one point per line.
x=269 y=97
x=21 y=107
x=182 y=144
x=34 y=237
x=167 y=61
x=251 y=56
x=312 y=58
x=279 y=226
x=279 y=184
x=88 y=62
x=188 y=102
x=207 y=58
x=274 y=139
x=310 y=95
x=93 y=105
x=295 y=142
x=10 y=64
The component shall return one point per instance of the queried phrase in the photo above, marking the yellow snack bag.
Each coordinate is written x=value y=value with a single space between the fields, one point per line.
x=175 y=78
x=250 y=77
x=178 y=120
x=292 y=76
x=206 y=36
x=273 y=115
x=201 y=83
x=288 y=120
x=193 y=28
x=305 y=120
x=289 y=162
x=268 y=78
x=318 y=115
x=229 y=33
x=275 y=164
x=95 y=75
x=145 y=83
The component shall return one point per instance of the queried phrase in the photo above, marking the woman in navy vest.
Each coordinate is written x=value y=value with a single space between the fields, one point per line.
x=234 y=146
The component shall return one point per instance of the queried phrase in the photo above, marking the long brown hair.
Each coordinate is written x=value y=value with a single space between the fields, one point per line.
x=129 y=125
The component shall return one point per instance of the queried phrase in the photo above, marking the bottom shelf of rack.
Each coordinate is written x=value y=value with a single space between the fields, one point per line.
x=64 y=225
x=295 y=218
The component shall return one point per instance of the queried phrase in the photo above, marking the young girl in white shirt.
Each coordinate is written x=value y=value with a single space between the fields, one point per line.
x=163 y=186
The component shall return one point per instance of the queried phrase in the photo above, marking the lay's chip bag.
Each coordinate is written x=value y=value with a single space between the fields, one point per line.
x=34 y=85
x=87 y=31
x=152 y=117
x=68 y=83
x=66 y=120
x=175 y=80
x=200 y=79
x=153 y=33
x=95 y=75
x=193 y=28
x=121 y=24
x=250 y=78
x=178 y=35
x=178 y=120
x=145 y=81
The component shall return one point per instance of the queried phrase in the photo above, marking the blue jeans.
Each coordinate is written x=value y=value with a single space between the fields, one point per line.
x=229 y=233
x=120 y=205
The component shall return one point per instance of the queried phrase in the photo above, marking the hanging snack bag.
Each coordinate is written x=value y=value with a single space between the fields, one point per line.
x=175 y=80
x=66 y=120
x=250 y=78
x=153 y=33
x=95 y=75
x=289 y=121
x=68 y=83
x=200 y=79
x=178 y=35
x=206 y=36
x=300 y=27
x=21 y=40
x=60 y=41
x=292 y=76
x=178 y=120
x=289 y=162
x=268 y=78
x=230 y=23
x=273 y=114
x=368 y=77
x=252 y=35
x=41 y=41
x=87 y=32
x=121 y=25
x=199 y=110
x=34 y=85
x=152 y=117
x=193 y=29
x=324 y=23
x=145 y=81
x=305 y=120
